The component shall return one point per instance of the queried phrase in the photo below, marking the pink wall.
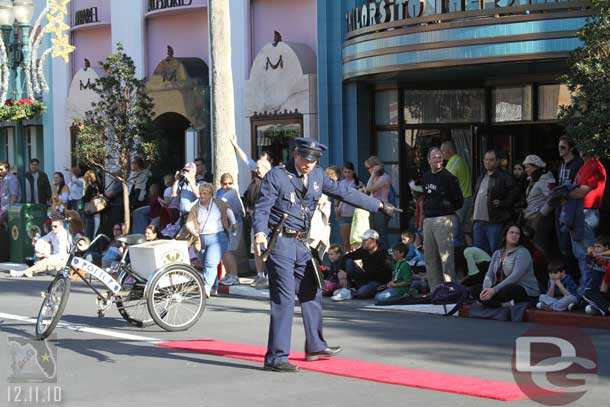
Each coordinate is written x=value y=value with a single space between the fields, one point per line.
x=93 y=44
x=103 y=8
x=295 y=20
x=186 y=32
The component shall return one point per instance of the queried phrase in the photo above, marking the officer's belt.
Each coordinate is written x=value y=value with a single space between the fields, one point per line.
x=291 y=233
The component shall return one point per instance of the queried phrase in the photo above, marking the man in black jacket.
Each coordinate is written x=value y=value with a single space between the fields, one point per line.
x=442 y=197
x=37 y=185
x=495 y=194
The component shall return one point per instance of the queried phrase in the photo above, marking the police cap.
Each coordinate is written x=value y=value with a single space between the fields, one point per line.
x=309 y=148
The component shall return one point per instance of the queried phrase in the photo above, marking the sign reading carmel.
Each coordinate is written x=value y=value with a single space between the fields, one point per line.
x=161 y=4
x=385 y=11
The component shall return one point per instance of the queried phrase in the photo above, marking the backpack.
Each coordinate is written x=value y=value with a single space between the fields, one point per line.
x=450 y=293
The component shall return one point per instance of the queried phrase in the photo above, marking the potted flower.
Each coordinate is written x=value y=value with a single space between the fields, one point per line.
x=22 y=109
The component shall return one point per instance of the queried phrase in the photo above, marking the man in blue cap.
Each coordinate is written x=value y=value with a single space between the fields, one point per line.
x=292 y=192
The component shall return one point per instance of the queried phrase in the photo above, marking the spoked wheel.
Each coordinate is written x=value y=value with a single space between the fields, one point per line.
x=130 y=302
x=53 y=305
x=176 y=297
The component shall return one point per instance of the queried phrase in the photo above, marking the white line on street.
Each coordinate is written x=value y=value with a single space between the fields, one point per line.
x=84 y=328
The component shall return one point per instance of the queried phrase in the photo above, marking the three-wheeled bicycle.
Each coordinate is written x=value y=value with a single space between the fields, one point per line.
x=173 y=296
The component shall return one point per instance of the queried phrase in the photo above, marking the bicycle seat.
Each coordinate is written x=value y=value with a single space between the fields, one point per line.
x=130 y=240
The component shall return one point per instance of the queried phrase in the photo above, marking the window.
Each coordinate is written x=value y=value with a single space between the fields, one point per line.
x=550 y=100
x=512 y=104
x=386 y=108
x=444 y=106
x=274 y=134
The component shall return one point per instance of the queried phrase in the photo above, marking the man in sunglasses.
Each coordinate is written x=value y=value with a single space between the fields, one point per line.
x=186 y=187
x=59 y=240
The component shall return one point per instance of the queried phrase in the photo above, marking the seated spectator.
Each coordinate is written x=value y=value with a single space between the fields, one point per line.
x=151 y=233
x=144 y=215
x=598 y=261
x=474 y=256
x=401 y=278
x=510 y=277
x=561 y=294
x=415 y=258
x=335 y=277
x=60 y=242
x=375 y=268
x=115 y=249
x=599 y=300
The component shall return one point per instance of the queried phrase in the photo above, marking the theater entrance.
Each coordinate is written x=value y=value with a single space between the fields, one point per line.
x=172 y=144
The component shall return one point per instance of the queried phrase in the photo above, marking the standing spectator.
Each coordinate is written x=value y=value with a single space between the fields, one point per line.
x=76 y=185
x=92 y=189
x=251 y=196
x=510 y=277
x=378 y=186
x=230 y=196
x=495 y=195
x=10 y=191
x=138 y=180
x=185 y=187
x=460 y=168
x=37 y=185
x=202 y=174
x=591 y=183
x=375 y=269
x=442 y=197
x=344 y=211
x=570 y=164
x=360 y=224
x=211 y=220
x=248 y=160
x=115 y=213
x=561 y=294
x=521 y=182
x=537 y=212
x=61 y=193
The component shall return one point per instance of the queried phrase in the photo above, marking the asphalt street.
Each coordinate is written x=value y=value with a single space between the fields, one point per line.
x=105 y=370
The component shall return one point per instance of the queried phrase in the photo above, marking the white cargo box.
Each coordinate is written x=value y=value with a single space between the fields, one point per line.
x=146 y=258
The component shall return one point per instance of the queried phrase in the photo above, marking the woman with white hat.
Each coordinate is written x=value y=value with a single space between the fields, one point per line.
x=537 y=212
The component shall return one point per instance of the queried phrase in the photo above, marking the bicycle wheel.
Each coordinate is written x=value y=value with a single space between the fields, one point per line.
x=53 y=305
x=176 y=297
x=131 y=303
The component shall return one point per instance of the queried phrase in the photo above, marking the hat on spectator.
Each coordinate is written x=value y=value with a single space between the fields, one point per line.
x=191 y=166
x=370 y=234
x=309 y=148
x=533 y=159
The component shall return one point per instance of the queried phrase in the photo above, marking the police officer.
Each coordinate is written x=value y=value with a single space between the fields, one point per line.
x=294 y=190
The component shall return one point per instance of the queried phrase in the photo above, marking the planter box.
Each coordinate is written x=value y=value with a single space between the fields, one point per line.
x=146 y=258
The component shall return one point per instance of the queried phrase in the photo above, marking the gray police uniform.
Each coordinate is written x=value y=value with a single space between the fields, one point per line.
x=288 y=265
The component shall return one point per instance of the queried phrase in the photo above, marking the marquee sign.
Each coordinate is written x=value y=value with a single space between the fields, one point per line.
x=375 y=12
x=154 y=5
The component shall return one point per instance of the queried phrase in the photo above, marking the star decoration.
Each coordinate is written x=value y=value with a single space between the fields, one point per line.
x=58 y=6
x=62 y=47
x=45 y=357
x=56 y=24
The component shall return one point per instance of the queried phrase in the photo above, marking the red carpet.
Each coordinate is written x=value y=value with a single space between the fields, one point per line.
x=422 y=379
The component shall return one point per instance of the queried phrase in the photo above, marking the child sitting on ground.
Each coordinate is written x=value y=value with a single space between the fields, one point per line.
x=332 y=281
x=598 y=261
x=561 y=293
x=415 y=258
x=401 y=278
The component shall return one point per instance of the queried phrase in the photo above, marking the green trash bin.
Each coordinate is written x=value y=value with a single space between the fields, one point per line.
x=24 y=221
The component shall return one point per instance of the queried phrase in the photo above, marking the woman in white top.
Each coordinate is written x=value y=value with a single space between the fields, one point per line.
x=211 y=220
x=76 y=185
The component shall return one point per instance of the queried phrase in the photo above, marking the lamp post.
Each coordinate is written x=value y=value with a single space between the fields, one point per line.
x=21 y=68
x=15 y=17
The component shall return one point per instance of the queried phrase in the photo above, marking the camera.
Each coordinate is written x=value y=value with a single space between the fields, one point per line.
x=182 y=176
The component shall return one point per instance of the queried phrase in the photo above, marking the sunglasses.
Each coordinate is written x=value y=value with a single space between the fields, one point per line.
x=563 y=147
x=118 y=229
x=227 y=183
x=54 y=226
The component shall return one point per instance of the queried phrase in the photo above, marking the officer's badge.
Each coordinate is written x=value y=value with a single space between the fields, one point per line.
x=316 y=187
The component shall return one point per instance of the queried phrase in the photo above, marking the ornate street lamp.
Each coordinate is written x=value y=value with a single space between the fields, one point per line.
x=20 y=45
